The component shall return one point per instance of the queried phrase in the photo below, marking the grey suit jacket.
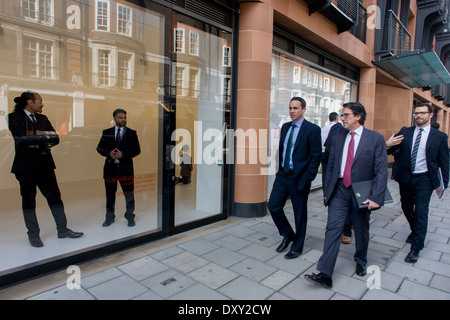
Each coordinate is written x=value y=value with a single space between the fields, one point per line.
x=369 y=163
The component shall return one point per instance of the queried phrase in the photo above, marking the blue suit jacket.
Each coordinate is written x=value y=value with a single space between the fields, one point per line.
x=306 y=154
x=436 y=151
x=369 y=163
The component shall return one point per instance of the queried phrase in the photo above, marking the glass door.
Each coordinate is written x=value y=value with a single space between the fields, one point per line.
x=201 y=97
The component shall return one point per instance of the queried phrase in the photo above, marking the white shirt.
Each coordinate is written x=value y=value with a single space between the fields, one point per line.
x=421 y=160
x=122 y=130
x=324 y=132
x=356 y=138
x=29 y=115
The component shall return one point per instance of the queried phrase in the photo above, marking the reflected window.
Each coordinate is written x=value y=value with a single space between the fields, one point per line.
x=102 y=15
x=38 y=58
x=194 y=43
x=126 y=71
x=104 y=68
x=124 y=20
x=38 y=10
x=226 y=56
x=179 y=40
x=296 y=75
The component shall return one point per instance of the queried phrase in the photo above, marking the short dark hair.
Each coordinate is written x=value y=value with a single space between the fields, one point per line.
x=429 y=106
x=358 y=110
x=117 y=111
x=302 y=101
x=22 y=100
x=333 y=116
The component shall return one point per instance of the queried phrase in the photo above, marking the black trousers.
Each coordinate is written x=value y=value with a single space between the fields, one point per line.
x=415 y=199
x=45 y=180
x=284 y=187
x=127 y=185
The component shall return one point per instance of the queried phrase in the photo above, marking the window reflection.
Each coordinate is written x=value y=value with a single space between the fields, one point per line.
x=85 y=59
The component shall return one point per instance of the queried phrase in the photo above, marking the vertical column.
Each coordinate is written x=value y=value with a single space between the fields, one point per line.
x=367 y=92
x=253 y=107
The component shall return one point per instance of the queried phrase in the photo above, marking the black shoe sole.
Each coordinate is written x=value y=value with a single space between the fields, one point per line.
x=318 y=283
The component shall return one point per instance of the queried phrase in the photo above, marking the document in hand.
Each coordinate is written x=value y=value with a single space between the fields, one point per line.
x=441 y=184
x=363 y=189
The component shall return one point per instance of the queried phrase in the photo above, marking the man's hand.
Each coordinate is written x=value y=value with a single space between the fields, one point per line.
x=116 y=154
x=394 y=140
x=372 y=205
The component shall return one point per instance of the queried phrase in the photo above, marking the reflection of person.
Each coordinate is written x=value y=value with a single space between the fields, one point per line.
x=419 y=153
x=357 y=154
x=299 y=158
x=186 y=167
x=327 y=133
x=119 y=145
x=34 y=166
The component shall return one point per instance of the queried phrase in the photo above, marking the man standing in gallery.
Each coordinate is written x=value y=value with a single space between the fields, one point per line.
x=421 y=152
x=34 y=166
x=299 y=159
x=119 y=145
x=357 y=154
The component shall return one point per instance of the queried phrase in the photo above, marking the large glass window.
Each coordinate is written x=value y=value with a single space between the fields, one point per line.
x=203 y=91
x=321 y=98
x=83 y=76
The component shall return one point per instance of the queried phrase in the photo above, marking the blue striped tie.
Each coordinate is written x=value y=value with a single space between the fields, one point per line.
x=287 y=155
x=414 y=151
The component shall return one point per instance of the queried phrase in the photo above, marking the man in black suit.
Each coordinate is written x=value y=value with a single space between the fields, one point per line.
x=420 y=151
x=119 y=145
x=299 y=158
x=34 y=166
x=357 y=154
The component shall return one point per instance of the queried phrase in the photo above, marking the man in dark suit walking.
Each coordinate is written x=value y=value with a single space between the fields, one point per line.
x=420 y=151
x=34 y=166
x=119 y=145
x=299 y=158
x=357 y=154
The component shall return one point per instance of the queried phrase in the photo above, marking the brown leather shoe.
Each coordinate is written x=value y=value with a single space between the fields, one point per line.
x=346 y=239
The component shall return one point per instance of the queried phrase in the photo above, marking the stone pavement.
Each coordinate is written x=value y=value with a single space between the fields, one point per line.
x=236 y=259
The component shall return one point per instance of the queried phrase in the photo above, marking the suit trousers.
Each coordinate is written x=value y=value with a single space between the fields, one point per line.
x=341 y=204
x=284 y=187
x=127 y=185
x=45 y=180
x=415 y=199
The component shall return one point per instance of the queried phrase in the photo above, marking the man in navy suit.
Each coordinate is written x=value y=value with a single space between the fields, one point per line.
x=357 y=154
x=419 y=153
x=299 y=159
x=119 y=145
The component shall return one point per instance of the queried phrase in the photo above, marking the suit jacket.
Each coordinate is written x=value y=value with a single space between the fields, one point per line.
x=334 y=130
x=369 y=163
x=437 y=154
x=29 y=160
x=306 y=154
x=130 y=148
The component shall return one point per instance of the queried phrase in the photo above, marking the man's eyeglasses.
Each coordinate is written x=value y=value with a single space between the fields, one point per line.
x=421 y=113
x=345 y=115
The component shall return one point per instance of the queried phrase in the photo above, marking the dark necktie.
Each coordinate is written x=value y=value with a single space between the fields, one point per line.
x=415 y=150
x=33 y=122
x=347 y=178
x=287 y=155
x=118 y=138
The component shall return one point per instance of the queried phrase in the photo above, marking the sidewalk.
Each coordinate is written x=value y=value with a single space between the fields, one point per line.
x=236 y=259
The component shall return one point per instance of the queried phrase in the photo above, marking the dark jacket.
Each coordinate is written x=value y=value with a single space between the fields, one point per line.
x=130 y=148
x=29 y=160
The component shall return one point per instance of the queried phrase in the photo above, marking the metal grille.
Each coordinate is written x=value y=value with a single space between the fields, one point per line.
x=211 y=10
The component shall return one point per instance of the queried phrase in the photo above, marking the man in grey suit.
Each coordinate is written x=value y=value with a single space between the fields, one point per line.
x=357 y=154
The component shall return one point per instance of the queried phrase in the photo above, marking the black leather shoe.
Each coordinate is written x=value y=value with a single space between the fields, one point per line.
x=36 y=242
x=285 y=243
x=361 y=270
x=107 y=223
x=131 y=223
x=292 y=254
x=321 y=279
x=412 y=256
x=70 y=234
